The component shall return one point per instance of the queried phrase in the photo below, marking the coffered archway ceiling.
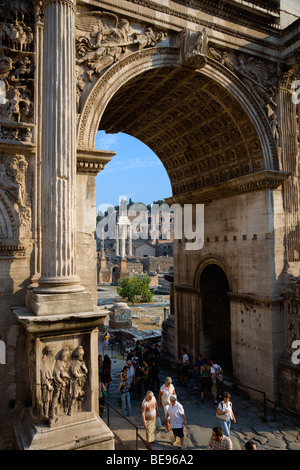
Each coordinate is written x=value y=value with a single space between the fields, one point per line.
x=200 y=132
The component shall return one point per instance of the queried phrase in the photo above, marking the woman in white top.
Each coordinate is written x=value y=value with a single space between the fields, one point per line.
x=225 y=409
x=165 y=392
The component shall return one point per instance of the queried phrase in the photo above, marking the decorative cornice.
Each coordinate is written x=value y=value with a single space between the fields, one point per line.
x=259 y=181
x=92 y=161
x=12 y=251
x=187 y=16
x=184 y=289
x=258 y=19
x=255 y=300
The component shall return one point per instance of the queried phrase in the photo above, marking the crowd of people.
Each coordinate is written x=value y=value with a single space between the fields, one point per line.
x=139 y=380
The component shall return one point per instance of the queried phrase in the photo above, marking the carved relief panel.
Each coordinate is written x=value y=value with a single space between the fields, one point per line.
x=261 y=77
x=16 y=70
x=15 y=203
x=102 y=39
x=59 y=377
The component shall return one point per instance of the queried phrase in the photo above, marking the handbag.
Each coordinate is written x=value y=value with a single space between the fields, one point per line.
x=223 y=417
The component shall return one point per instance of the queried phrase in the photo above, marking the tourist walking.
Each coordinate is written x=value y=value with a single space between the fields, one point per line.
x=102 y=395
x=225 y=413
x=185 y=364
x=175 y=420
x=166 y=390
x=100 y=367
x=216 y=381
x=218 y=441
x=138 y=380
x=106 y=339
x=196 y=371
x=154 y=367
x=149 y=414
x=124 y=387
x=145 y=371
x=131 y=375
x=106 y=372
x=205 y=379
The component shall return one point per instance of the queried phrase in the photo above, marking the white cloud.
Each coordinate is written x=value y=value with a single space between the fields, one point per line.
x=105 y=142
x=130 y=164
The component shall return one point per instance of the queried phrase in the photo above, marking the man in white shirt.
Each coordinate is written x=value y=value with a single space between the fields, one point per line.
x=176 y=420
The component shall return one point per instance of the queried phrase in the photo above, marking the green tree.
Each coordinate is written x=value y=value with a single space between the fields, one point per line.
x=135 y=288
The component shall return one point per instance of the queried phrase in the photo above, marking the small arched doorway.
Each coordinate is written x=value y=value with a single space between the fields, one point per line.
x=214 y=288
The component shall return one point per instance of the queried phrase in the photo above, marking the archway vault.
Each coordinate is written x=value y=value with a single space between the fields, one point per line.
x=204 y=125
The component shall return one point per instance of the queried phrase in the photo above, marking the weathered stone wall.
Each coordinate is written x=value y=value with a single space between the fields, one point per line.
x=16 y=269
x=289 y=385
x=245 y=239
x=86 y=254
x=158 y=264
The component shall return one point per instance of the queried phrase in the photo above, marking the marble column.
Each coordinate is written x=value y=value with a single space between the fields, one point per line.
x=58 y=172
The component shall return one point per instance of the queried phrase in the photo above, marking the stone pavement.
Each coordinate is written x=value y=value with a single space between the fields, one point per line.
x=279 y=432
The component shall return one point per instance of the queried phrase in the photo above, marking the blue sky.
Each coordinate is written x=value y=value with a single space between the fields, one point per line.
x=135 y=171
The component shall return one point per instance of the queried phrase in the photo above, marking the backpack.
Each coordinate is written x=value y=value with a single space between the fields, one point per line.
x=219 y=374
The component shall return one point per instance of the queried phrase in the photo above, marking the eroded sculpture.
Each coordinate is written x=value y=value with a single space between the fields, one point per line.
x=63 y=381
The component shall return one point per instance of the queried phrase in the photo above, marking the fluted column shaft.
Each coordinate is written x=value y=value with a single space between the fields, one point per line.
x=58 y=148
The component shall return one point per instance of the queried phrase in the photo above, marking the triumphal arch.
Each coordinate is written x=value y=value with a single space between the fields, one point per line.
x=211 y=87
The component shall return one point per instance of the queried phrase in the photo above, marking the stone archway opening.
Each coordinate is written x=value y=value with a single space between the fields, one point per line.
x=199 y=131
x=212 y=141
x=214 y=288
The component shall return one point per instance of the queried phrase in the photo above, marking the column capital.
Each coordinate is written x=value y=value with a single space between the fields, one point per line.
x=70 y=3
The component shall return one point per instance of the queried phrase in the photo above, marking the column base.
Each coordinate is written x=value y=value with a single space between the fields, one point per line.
x=59 y=303
x=90 y=433
x=61 y=285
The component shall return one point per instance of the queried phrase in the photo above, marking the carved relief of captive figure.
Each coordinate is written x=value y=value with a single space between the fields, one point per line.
x=47 y=364
x=9 y=184
x=15 y=106
x=61 y=380
x=78 y=373
x=192 y=44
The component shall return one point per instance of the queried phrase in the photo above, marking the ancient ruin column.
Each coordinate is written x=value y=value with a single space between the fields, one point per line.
x=117 y=241
x=129 y=240
x=123 y=241
x=58 y=171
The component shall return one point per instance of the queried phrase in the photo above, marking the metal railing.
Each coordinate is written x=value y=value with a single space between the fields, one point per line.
x=237 y=384
x=265 y=399
x=137 y=435
x=225 y=379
